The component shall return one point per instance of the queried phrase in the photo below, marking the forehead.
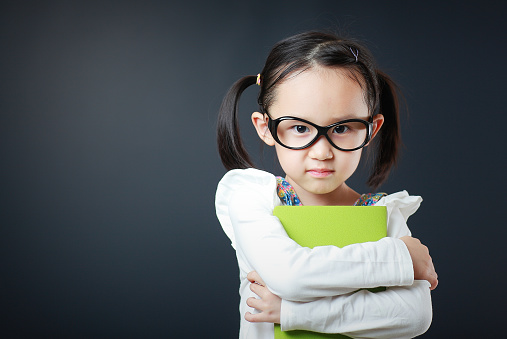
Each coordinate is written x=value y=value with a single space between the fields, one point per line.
x=320 y=94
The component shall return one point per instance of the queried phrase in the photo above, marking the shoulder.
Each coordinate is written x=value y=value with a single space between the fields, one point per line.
x=249 y=176
x=242 y=192
x=245 y=182
x=247 y=187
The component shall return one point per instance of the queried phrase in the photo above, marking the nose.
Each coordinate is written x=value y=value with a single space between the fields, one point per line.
x=321 y=149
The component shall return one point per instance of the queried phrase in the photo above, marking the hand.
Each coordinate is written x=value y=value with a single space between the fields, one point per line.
x=421 y=259
x=269 y=304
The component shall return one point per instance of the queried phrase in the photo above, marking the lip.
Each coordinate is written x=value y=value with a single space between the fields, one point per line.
x=320 y=172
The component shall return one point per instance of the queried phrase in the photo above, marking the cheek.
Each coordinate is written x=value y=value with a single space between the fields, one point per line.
x=288 y=159
x=348 y=161
x=354 y=159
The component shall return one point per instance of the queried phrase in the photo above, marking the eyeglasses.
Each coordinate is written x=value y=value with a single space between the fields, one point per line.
x=296 y=133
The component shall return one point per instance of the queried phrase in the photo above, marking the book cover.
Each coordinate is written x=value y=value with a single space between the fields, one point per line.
x=340 y=226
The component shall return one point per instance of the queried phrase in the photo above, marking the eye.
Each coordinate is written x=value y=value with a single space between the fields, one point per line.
x=300 y=129
x=340 y=129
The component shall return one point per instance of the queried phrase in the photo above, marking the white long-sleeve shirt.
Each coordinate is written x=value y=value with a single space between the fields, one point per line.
x=316 y=284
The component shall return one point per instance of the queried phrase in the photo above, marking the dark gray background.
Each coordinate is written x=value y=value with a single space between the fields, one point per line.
x=109 y=164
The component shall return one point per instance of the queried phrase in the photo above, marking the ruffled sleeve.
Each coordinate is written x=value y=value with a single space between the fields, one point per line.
x=248 y=187
x=400 y=206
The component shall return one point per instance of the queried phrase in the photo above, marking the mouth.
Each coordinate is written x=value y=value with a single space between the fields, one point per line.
x=320 y=172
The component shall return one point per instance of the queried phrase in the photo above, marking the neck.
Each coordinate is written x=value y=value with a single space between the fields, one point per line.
x=342 y=196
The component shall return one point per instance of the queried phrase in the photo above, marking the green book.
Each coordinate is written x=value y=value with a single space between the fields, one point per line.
x=340 y=226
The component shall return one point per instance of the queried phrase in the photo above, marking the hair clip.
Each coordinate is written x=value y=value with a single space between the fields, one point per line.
x=258 y=82
x=355 y=54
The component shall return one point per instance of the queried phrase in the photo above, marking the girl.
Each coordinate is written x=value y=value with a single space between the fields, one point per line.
x=321 y=101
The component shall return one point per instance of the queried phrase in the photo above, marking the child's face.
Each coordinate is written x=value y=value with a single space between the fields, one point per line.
x=323 y=96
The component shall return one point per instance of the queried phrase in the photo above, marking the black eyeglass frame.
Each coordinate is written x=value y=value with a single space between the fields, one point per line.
x=321 y=130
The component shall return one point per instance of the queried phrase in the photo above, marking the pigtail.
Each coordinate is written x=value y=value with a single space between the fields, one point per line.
x=388 y=138
x=230 y=147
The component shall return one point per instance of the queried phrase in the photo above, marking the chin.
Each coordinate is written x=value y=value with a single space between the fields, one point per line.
x=326 y=188
x=323 y=190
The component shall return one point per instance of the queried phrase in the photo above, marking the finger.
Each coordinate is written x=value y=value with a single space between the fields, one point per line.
x=258 y=289
x=434 y=275
x=255 y=318
x=249 y=317
x=432 y=278
x=262 y=291
x=254 y=303
x=434 y=284
x=259 y=280
x=253 y=276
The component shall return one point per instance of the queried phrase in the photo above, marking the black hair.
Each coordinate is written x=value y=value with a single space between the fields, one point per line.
x=297 y=54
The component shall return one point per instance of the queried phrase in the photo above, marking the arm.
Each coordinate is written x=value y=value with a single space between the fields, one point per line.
x=245 y=201
x=398 y=312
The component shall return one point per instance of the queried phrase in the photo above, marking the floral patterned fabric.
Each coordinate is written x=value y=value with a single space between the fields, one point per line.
x=286 y=193
x=369 y=199
x=289 y=197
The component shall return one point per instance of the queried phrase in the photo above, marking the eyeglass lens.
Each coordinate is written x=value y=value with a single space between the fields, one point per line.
x=349 y=135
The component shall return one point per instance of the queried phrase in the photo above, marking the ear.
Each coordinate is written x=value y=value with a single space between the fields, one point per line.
x=378 y=121
x=260 y=122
